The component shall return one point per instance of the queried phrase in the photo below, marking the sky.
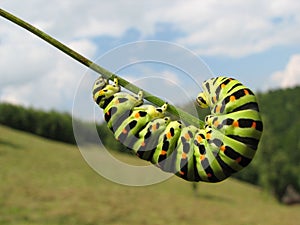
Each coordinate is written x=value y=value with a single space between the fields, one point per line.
x=166 y=47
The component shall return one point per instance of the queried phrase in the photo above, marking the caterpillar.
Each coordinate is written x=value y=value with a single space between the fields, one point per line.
x=225 y=145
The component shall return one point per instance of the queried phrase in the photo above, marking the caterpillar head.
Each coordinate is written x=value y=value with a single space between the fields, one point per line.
x=102 y=89
x=202 y=100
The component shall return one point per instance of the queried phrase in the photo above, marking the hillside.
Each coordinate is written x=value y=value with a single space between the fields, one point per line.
x=46 y=182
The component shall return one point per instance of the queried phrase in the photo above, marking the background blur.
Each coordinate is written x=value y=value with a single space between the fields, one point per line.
x=43 y=177
x=256 y=42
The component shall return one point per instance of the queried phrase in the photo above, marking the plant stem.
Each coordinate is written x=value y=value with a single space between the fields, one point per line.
x=105 y=73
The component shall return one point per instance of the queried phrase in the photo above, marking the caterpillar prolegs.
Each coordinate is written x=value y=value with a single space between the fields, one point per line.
x=225 y=145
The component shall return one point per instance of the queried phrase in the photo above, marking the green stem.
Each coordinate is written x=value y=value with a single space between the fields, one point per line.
x=105 y=73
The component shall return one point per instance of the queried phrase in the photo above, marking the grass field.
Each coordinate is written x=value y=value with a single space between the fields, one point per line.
x=45 y=182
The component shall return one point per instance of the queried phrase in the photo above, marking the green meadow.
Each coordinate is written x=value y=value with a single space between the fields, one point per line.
x=47 y=182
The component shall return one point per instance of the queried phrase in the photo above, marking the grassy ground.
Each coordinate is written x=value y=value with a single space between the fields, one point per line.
x=44 y=182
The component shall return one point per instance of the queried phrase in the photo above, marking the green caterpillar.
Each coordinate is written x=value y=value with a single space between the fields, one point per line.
x=225 y=145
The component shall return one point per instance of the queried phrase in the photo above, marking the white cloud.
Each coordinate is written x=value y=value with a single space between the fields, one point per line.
x=54 y=89
x=231 y=28
x=236 y=28
x=32 y=71
x=22 y=57
x=290 y=76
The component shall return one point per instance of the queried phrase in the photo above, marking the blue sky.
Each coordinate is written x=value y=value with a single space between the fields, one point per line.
x=256 y=42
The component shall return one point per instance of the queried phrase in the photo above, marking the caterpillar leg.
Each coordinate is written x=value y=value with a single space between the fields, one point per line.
x=154 y=112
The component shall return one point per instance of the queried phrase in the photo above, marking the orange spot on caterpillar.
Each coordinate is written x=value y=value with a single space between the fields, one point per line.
x=154 y=128
x=107 y=113
x=181 y=173
x=202 y=157
x=101 y=92
x=239 y=159
x=199 y=138
x=246 y=92
x=218 y=108
x=187 y=136
x=184 y=155
x=232 y=98
x=124 y=131
x=253 y=125
x=169 y=135
x=223 y=148
x=117 y=101
x=216 y=123
x=208 y=135
x=235 y=123
x=137 y=115
x=163 y=152
x=143 y=144
x=223 y=85
x=209 y=175
x=215 y=99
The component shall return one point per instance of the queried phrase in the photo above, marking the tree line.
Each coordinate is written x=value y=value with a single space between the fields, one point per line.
x=54 y=125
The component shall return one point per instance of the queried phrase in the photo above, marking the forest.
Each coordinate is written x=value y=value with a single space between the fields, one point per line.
x=275 y=167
